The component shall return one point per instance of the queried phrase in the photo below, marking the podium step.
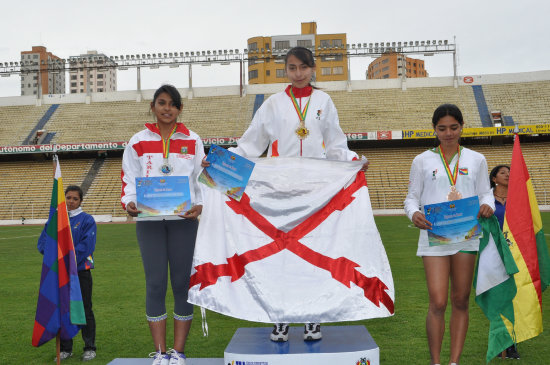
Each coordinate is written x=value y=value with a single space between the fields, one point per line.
x=339 y=345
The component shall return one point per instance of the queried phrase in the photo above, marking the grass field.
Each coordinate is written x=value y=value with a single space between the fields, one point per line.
x=119 y=304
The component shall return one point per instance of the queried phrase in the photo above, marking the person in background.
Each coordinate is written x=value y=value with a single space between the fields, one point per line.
x=83 y=230
x=499 y=177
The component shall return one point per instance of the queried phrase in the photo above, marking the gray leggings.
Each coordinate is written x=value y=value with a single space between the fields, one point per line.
x=162 y=244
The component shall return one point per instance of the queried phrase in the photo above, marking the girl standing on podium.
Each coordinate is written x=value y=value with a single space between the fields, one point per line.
x=300 y=121
x=165 y=148
x=447 y=172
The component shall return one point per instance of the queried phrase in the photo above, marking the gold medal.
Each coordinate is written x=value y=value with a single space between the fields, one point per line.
x=454 y=194
x=302 y=132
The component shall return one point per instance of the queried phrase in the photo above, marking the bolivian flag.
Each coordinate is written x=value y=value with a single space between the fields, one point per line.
x=523 y=231
x=59 y=309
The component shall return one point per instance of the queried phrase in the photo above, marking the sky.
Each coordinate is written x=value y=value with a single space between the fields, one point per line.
x=492 y=36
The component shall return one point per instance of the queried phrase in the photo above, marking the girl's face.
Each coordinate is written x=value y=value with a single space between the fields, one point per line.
x=298 y=72
x=448 y=131
x=164 y=109
x=502 y=176
x=72 y=198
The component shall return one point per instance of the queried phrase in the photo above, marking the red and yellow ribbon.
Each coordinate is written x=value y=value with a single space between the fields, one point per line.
x=452 y=175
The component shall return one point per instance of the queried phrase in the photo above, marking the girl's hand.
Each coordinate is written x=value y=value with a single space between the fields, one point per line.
x=420 y=221
x=485 y=211
x=132 y=210
x=193 y=213
x=365 y=166
x=205 y=163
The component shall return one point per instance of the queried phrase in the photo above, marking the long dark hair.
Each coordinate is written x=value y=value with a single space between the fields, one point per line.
x=494 y=173
x=303 y=54
x=170 y=90
x=447 y=109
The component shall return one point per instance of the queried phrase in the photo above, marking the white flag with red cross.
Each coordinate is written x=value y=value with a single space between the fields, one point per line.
x=301 y=246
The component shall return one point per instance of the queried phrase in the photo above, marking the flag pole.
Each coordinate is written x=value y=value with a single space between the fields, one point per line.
x=57 y=348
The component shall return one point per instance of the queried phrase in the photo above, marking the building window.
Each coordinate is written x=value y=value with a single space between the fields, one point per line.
x=334 y=57
x=386 y=76
x=81 y=83
x=100 y=83
x=325 y=43
x=81 y=90
x=251 y=61
x=73 y=84
x=280 y=73
x=282 y=44
x=304 y=43
x=35 y=56
x=385 y=60
x=100 y=90
x=100 y=76
x=73 y=77
x=386 y=68
x=337 y=42
x=267 y=73
x=252 y=74
x=81 y=76
x=338 y=70
x=325 y=71
x=267 y=46
x=73 y=91
x=253 y=46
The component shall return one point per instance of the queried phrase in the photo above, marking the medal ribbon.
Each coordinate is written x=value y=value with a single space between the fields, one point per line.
x=166 y=144
x=451 y=175
x=301 y=115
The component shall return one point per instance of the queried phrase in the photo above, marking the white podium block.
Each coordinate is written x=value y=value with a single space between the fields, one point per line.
x=196 y=361
x=339 y=345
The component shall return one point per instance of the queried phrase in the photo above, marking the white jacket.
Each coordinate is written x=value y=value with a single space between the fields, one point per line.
x=143 y=158
x=275 y=123
x=429 y=184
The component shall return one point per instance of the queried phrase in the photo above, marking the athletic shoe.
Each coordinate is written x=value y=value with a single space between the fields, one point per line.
x=512 y=353
x=63 y=355
x=312 y=331
x=160 y=358
x=279 y=333
x=177 y=358
x=88 y=355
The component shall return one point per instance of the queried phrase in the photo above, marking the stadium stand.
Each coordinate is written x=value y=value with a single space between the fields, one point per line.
x=387 y=179
x=366 y=108
x=16 y=122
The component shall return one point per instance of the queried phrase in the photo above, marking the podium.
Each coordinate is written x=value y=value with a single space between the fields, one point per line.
x=339 y=345
x=252 y=346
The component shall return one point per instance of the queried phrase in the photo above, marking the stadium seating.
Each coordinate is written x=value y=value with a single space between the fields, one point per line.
x=16 y=122
x=387 y=179
x=394 y=109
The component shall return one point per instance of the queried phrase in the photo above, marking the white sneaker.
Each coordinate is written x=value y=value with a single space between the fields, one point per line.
x=88 y=355
x=63 y=355
x=177 y=358
x=279 y=333
x=312 y=331
x=160 y=358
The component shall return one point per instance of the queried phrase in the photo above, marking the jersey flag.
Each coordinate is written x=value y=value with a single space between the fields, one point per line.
x=300 y=246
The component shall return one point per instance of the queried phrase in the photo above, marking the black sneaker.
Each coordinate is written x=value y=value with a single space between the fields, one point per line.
x=512 y=353
x=279 y=333
x=312 y=331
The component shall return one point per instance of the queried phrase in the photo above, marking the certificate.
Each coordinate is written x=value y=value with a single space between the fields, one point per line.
x=163 y=195
x=228 y=172
x=454 y=221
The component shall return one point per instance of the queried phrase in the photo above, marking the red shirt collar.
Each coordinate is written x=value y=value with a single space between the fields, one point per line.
x=299 y=92
x=180 y=128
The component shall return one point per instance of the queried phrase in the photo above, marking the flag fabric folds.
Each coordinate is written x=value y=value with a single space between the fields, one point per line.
x=495 y=286
x=59 y=308
x=300 y=246
x=523 y=230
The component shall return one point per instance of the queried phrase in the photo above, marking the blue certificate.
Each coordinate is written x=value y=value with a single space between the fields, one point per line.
x=163 y=195
x=228 y=172
x=453 y=221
